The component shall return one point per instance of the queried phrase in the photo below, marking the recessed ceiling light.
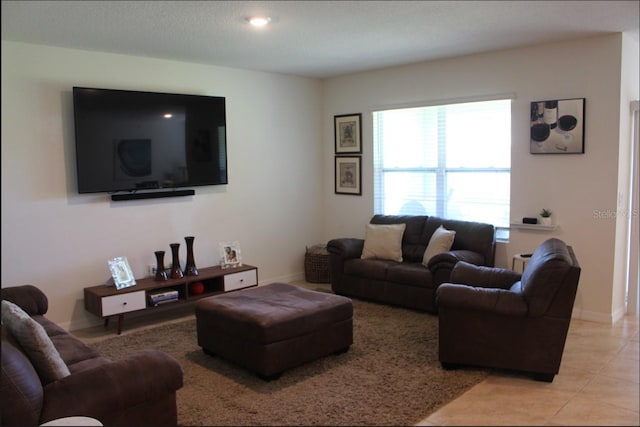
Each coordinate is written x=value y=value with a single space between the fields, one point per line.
x=259 y=21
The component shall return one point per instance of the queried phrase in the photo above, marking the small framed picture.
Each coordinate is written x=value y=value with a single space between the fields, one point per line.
x=121 y=272
x=230 y=255
x=348 y=175
x=348 y=132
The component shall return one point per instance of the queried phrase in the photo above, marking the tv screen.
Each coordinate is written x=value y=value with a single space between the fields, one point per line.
x=130 y=140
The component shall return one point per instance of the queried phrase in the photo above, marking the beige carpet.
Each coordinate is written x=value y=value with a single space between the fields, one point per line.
x=390 y=376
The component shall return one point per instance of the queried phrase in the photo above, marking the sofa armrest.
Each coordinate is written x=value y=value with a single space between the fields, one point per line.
x=498 y=301
x=346 y=247
x=486 y=277
x=28 y=297
x=104 y=391
x=443 y=263
x=450 y=258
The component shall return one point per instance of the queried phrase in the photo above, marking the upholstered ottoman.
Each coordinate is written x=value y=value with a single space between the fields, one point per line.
x=269 y=329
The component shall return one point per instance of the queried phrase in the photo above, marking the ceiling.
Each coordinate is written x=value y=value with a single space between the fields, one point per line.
x=310 y=38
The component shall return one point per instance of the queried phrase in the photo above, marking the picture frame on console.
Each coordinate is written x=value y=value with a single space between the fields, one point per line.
x=348 y=133
x=121 y=272
x=230 y=255
x=348 y=177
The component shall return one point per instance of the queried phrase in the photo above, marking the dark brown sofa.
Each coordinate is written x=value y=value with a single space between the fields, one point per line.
x=408 y=283
x=139 y=390
x=498 y=318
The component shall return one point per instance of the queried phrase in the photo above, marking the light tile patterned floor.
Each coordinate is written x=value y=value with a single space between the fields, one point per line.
x=598 y=384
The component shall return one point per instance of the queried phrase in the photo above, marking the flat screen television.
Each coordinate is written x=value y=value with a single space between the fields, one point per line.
x=128 y=141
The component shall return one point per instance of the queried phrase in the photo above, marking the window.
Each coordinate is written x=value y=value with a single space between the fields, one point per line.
x=452 y=161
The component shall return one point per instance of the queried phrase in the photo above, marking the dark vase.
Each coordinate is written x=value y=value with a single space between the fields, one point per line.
x=161 y=273
x=176 y=272
x=190 y=269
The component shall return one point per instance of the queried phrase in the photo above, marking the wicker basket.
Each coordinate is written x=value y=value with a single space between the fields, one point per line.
x=316 y=264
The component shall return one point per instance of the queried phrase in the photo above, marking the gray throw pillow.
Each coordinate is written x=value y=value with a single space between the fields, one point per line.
x=36 y=343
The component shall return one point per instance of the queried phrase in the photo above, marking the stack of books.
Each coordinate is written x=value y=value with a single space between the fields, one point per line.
x=162 y=297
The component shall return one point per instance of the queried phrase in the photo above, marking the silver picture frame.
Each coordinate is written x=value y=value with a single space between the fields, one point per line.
x=121 y=272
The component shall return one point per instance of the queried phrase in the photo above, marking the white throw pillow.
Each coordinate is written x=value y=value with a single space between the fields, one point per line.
x=441 y=241
x=383 y=241
x=36 y=343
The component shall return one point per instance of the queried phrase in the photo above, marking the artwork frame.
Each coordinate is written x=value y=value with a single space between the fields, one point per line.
x=348 y=133
x=557 y=126
x=121 y=272
x=230 y=254
x=348 y=175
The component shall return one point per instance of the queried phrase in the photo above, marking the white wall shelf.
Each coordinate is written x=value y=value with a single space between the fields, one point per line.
x=536 y=227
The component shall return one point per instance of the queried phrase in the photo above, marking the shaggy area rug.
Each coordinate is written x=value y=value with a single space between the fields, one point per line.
x=389 y=376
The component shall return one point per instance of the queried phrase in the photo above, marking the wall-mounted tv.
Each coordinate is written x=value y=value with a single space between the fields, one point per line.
x=129 y=141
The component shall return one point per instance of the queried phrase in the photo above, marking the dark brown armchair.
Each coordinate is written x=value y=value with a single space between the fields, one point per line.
x=497 y=318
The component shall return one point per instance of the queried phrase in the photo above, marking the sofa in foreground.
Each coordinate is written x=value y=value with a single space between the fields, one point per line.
x=48 y=374
x=403 y=259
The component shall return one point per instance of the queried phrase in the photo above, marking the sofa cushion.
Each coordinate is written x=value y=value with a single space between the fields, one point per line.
x=34 y=340
x=370 y=268
x=87 y=364
x=383 y=242
x=411 y=274
x=71 y=349
x=441 y=241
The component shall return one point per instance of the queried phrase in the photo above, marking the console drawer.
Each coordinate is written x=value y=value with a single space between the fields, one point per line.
x=240 y=280
x=124 y=303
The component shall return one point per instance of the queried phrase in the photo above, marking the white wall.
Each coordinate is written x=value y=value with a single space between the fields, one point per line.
x=572 y=186
x=281 y=158
x=60 y=241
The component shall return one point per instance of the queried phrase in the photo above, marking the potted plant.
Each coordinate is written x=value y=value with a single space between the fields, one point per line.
x=545 y=215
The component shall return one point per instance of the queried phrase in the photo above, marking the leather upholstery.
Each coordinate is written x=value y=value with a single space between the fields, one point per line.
x=498 y=318
x=275 y=327
x=139 y=390
x=409 y=283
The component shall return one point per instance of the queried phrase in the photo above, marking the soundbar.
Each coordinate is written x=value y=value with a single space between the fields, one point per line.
x=152 y=195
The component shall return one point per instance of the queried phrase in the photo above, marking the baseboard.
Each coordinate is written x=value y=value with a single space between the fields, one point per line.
x=594 y=316
x=286 y=278
x=77 y=324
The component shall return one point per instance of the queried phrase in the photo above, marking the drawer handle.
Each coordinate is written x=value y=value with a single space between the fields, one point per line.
x=124 y=303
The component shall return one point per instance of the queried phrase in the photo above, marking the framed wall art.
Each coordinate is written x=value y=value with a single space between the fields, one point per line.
x=557 y=126
x=348 y=175
x=348 y=133
x=121 y=272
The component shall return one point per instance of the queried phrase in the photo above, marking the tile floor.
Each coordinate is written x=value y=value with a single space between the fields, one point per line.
x=598 y=383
